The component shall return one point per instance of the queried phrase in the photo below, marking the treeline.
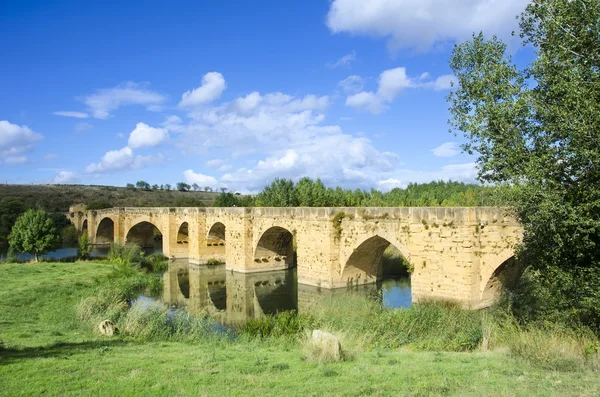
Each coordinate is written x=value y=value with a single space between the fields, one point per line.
x=179 y=186
x=313 y=193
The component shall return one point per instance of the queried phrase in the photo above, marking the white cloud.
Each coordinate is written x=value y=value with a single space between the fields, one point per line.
x=173 y=123
x=346 y=60
x=203 y=180
x=213 y=85
x=118 y=160
x=106 y=100
x=145 y=136
x=447 y=149
x=366 y=100
x=390 y=84
x=352 y=84
x=50 y=156
x=292 y=137
x=420 y=24
x=77 y=115
x=16 y=140
x=65 y=177
x=389 y=184
x=442 y=83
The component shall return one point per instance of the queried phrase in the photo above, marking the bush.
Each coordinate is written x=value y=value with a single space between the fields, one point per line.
x=84 y=248
x=126 y=259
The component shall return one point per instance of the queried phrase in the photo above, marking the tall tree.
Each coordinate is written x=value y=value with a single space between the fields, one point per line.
x=538 y=128
x=33 y=232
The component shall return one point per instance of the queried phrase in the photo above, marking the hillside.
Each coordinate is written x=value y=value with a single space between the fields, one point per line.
x=58 y=198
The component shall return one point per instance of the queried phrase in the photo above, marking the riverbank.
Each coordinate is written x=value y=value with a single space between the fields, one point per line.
x=46 y=349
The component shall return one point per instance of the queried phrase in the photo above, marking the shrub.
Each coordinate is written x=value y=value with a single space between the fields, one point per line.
x=126 y=258
x=84 y=248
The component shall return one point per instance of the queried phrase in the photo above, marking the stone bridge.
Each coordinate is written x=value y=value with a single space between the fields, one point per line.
x=459 y=254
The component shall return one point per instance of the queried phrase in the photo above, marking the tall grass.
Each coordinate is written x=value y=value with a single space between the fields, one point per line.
x=550 y=346
x=437 y=326
x=111 y=300
x=157 y=322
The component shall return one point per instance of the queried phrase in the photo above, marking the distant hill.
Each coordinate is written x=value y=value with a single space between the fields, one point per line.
x=58 y=198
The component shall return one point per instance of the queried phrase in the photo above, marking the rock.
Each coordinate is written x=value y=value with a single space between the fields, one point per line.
x=107 y=328
x=328 y=344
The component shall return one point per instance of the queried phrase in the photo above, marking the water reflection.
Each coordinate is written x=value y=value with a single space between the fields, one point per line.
x=233 y=297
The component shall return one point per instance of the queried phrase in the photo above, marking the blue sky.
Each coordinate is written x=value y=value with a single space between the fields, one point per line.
x=235 y=93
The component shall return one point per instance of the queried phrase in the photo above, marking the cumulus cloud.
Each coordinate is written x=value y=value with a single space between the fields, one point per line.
x=107 y=100
x=352 y=84
x=119 y=160
x=366 y=100
x=16 y=140
x=346 y=60
x=65 y=177
x=77 y=115
x=391 y=83
x=447 y=149
x=145 y=136
x=420 y=24
x=203 y=180
x=213 y=85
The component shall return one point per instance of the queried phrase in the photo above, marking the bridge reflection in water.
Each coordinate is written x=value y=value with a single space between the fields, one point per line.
x=233 y=297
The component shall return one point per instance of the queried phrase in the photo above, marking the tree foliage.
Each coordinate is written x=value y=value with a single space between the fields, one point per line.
x=537 y=129
x=33 y=232
x=183 y=187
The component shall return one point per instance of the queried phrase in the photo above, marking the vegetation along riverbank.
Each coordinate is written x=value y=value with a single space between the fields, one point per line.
x=52 y=345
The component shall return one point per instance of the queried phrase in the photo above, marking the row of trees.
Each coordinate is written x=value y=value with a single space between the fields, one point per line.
x=180 y=186
x=313 y=193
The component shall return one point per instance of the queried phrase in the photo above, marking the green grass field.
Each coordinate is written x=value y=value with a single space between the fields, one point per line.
x=46 y=350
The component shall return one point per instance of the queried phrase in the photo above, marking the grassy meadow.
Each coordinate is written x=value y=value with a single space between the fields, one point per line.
x=47 y=349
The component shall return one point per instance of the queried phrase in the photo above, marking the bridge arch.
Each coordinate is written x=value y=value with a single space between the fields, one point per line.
x=275 y=248
x=215 y=241
x=105 y=232
x=183 y=237
x=84 y=226
x=366 y=262
x=145 y=234
x=501 y=272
